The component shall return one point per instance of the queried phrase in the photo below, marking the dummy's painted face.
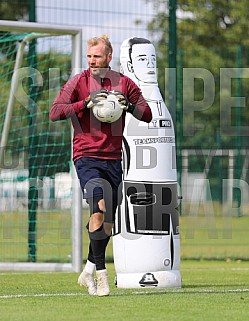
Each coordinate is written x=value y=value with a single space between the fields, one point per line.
x=144 y=63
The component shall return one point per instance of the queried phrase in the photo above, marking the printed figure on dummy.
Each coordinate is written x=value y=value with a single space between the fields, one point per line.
x=146 y=242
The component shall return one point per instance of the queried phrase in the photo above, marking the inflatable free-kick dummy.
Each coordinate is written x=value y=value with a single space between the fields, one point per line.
x=146 y=241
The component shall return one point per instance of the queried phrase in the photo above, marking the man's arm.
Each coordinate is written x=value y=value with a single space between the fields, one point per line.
x=66 y=104
x=141 y=109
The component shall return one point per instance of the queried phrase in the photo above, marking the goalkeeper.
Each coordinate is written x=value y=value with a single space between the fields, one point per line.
x=97 y=148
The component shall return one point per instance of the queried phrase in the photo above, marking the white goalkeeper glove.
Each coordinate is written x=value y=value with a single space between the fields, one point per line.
x=123 y=101
x=95 y=97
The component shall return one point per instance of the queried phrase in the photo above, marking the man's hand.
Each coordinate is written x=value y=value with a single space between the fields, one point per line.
x=123 y=101
x=95 y=97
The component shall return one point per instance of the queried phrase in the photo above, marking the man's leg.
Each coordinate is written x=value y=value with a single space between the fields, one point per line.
x=90 y=173
x=86 y=277
x=90 y=263
x=99 y=234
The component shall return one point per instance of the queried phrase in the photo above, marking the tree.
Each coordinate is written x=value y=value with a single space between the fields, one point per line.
x=209 y=33
x=14 y=9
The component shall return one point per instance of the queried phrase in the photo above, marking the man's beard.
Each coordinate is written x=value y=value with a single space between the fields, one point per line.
x=99 y=71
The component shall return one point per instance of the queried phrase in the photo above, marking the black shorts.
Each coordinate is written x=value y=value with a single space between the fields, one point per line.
x=102 y=179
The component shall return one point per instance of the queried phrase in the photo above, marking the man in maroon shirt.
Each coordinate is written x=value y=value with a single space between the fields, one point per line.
x=97 y=148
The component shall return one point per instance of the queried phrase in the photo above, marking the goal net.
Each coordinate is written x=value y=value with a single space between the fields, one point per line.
x=40 y=208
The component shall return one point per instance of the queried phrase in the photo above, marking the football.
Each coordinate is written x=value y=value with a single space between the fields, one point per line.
x=108 y=110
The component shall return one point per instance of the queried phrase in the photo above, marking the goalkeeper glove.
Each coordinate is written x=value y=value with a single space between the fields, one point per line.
x=123 y=101
x=95 y=97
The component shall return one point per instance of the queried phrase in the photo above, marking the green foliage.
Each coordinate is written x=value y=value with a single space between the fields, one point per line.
x=14 y=9
x=210 y=35
x=42 y=74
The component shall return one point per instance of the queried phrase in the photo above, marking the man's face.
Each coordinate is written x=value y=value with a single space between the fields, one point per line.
x=98 y=60
x=144 y=62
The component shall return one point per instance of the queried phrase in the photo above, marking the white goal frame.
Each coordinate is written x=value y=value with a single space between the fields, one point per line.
x=36 y=31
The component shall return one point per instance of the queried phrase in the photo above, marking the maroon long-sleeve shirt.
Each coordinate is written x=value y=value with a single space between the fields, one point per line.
x=93 y=138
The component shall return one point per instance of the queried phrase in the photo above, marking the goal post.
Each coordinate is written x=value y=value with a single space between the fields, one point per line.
x=20 y=191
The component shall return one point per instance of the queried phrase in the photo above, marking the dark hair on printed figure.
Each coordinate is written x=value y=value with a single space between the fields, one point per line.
x=136 y=41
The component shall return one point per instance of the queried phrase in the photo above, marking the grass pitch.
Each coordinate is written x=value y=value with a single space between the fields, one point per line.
x=202 y=237
x=210 y=291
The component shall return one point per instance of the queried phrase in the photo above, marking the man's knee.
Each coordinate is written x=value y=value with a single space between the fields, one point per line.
x=96 y=204
x=101 y=205
x=95 y=222
x=98 y=234
x=108 y=228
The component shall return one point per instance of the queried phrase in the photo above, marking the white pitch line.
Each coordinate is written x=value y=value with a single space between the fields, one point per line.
x=169 y=291
x=14 y=296
x=192 y=291
x=218 y=269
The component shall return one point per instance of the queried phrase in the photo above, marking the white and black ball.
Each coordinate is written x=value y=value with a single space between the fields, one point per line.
x=108 y=110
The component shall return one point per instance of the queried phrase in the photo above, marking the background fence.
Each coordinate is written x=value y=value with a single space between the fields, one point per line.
x=212 y=166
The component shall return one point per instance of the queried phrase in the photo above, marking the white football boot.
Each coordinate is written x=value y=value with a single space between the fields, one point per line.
x=87 y=280
x=103 y=288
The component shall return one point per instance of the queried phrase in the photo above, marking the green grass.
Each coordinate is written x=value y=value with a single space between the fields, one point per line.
x=202 y=237
x=215 y=238
x=53 y=236
x=215 y=282
x=211 y=290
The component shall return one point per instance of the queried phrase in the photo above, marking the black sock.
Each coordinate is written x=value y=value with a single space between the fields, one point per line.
x=90 y=254
x=98 y=242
